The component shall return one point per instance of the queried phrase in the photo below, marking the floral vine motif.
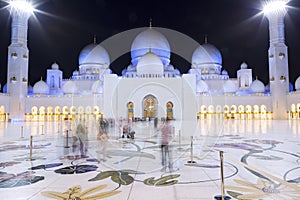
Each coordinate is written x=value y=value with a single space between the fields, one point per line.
x=46 y=166
x=17 y=180
x=262 y=189
x=76 y=169
x=76 y=193
x=163 y=181
x=121 y=177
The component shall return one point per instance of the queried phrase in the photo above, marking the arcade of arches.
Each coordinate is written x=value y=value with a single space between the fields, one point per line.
x=150 y=110
x=63 y=113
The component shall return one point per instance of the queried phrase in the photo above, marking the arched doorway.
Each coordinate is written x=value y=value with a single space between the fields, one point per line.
x=2 y=113
x=42 y=112
x=169 y=106
x=34 y=112
x=130 y=107
x=241 y=109
x=150 y=106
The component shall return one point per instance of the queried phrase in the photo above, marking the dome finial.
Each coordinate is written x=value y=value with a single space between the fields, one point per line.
x=150 y=23
x=95 y=39
x=256 y=78
x=41 y=78
x=205 y=38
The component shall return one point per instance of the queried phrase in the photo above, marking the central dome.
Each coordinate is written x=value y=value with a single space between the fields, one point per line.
x=150 y=65
x=150 y=40
x=93 y=54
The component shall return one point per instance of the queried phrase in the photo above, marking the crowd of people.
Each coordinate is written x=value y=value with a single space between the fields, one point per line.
x=164 y=131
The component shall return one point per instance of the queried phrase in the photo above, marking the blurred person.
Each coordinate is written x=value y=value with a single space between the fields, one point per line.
x=102 y=137
x=166 y=152
x=155 y=123
x=81 y=132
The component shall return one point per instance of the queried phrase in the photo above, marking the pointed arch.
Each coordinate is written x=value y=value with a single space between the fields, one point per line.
x=150 y=106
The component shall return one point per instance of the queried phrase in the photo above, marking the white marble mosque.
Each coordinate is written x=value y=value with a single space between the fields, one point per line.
x=94 y=90
x=49 y=137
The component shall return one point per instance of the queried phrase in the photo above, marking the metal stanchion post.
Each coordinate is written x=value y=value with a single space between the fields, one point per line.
x=222 y=175
x=192 y=153
x=42 y=129
x=22 y=132
x=179 y=140
x=222 y=196
x=58 y=127
x=30 y=154
x=67 y=140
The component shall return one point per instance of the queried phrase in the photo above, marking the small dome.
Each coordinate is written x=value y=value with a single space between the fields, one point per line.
x=94 y=54
x=229 y=87
x=297 y=83
x=97 y=87
x=124 y=71
x=224 y=72
x=150 y=39
x=244 y=65
x=69 y=87
x=55 y=66
x=41 y=87
x=257 y=87
x=177 y=72
x=170 y=68
x=202 y=87
x=150 y=64
x=207 y=54
x=130 y=68
x=75 y=73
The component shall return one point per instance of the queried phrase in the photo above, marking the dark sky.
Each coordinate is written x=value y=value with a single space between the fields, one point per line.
x=69 y=25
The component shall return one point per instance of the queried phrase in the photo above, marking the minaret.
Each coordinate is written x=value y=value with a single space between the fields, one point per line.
x=275 y=11
x=18 y=54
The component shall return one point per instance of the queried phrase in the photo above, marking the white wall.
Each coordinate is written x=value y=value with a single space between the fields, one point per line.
x=136 y=89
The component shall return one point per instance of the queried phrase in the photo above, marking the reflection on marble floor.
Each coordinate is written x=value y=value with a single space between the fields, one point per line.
x=261 y=161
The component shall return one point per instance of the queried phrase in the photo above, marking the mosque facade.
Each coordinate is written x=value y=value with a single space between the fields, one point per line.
x=151 y=86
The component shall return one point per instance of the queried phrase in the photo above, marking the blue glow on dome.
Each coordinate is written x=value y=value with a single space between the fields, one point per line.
x=207 y=54
x=150 y=40
x=93 y=54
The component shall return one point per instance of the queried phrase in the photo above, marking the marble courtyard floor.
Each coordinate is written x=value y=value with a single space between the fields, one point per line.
x=261 y=161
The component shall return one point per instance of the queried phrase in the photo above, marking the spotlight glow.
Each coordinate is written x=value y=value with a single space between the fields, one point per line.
x=276 y=6
x=21 y=5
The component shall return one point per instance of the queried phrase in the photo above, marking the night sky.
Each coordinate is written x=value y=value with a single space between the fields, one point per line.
x=64 y=27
